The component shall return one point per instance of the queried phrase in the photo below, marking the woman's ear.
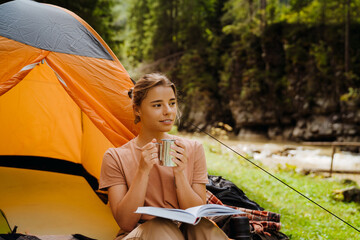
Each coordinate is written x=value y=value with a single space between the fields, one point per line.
x=137 y=114
x=136 y=110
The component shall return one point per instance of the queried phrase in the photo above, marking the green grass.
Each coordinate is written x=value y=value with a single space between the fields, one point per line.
x=300 y=218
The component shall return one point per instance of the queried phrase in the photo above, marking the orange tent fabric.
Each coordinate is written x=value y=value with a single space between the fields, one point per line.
x=63 y=92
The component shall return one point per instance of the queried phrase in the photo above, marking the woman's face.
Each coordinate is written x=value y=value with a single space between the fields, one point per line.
x=158 y=109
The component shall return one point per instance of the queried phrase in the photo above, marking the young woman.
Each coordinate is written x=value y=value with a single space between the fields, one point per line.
x=134 y=178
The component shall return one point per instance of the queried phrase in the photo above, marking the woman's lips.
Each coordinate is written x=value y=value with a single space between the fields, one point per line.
x=166 y=121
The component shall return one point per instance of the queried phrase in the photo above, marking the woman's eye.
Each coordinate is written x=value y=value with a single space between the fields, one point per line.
x=173 y=104
x=157 y=105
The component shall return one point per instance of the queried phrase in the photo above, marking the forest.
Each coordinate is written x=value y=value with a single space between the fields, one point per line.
x=281 y=69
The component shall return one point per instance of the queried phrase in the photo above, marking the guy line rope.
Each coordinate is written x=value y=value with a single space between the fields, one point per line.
x=301 y=194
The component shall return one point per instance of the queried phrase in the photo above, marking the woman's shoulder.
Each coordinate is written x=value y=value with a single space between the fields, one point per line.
x=122 y=150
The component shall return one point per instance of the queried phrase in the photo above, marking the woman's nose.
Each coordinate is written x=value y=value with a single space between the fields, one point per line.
x=167 y=109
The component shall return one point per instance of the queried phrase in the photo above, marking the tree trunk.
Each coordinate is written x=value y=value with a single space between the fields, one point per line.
x=262 y=30
x=347 y=33
x=323 y=12
x=251 y=9
x=263 y=13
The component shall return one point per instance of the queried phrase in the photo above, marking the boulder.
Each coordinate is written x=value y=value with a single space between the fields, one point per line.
x=351 y=194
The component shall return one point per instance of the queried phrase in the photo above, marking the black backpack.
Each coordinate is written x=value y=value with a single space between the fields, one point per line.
x=229 y=193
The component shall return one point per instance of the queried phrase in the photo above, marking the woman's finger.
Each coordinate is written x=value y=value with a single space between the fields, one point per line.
x=179 y=143
x=177 y=162
x=150 y=154
x=154 y=155
x=178 y=149
x=179 y=156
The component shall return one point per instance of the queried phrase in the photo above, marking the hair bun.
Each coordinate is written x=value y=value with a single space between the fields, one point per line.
x=130 y=92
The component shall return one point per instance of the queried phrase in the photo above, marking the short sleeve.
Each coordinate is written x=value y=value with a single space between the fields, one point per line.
x=200 y=169
x=111 y=171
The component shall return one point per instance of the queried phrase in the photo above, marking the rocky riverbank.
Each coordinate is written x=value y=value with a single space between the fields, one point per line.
x=287 y=84
x=321 y=122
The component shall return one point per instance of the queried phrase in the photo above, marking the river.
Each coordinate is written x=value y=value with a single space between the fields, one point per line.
x=302 y=158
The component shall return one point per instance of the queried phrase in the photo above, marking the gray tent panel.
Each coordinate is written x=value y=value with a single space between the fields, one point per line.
x=49 y=28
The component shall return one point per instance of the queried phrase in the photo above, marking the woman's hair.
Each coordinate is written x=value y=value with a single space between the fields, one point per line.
x=144 y=84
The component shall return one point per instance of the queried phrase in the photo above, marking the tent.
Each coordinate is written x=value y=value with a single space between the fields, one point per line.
x=53 y=205
x=63 y=95
x=63 y=92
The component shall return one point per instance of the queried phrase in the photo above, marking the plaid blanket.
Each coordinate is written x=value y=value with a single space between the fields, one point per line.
x=260 y=221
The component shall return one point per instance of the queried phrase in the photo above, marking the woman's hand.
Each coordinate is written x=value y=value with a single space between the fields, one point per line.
x=149 y=156
x=188 y=195
x=179 y=154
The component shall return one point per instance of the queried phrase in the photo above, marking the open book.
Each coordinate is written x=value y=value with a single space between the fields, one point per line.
x=190 y=215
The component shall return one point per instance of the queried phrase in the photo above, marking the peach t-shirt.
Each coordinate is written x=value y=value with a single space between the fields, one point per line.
x=120 y=165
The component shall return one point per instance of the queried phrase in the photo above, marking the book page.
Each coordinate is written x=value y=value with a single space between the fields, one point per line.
x=190 y=215
x=212 y=210
x=174 y=214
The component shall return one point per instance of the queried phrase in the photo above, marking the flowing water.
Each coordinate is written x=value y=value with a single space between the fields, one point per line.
x=303 y=158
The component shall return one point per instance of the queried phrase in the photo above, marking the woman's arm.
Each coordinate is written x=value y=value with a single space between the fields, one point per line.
x=188 y=195
x=124 y=201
